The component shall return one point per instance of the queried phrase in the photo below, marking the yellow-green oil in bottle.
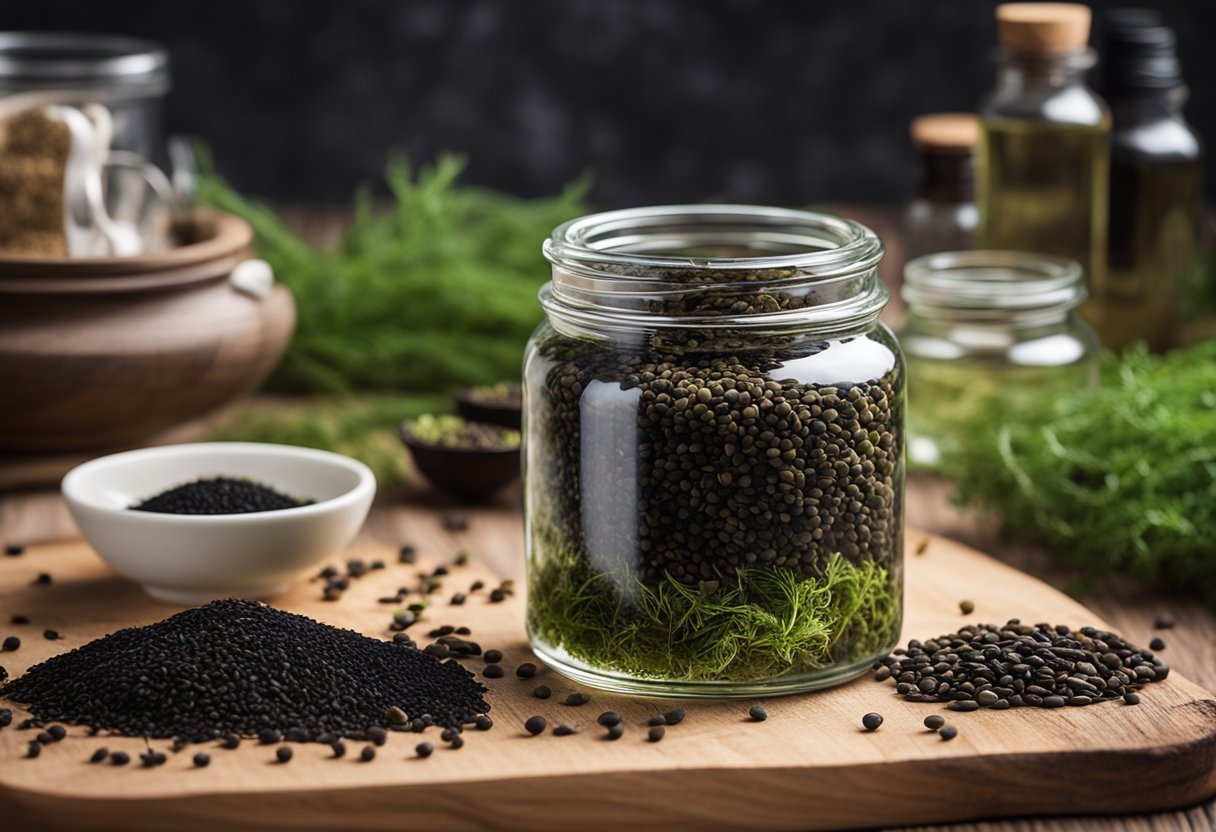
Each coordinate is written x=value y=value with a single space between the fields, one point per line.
x=1043 y=187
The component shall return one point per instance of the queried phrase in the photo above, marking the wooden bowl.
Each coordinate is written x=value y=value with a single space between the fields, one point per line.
x=472 y=474
x=105 y=352
x=477 y=409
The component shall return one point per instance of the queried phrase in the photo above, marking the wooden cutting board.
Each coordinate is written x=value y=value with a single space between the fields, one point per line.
x=809 y=766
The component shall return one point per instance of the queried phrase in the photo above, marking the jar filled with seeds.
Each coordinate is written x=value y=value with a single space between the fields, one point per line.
x=986 y=329
x=713 y=449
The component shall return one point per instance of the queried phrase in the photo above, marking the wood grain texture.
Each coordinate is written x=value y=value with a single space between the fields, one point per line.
x=808 y=767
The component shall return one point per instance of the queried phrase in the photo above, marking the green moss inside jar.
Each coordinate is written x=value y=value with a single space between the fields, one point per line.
x=713 y=453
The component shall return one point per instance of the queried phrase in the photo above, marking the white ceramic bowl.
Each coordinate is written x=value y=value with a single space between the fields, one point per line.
x=190 y=559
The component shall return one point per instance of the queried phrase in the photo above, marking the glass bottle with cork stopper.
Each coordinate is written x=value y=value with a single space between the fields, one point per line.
x=1044 y=154
x=942 y=215
x=1156 y=187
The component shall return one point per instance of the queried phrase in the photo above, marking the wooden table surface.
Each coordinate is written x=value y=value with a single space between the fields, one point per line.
x=1130 y=609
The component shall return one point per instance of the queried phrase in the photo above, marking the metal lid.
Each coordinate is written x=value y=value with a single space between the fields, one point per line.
x=70 y=60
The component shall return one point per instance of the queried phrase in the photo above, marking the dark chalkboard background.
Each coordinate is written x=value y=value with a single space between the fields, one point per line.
x=665 y=100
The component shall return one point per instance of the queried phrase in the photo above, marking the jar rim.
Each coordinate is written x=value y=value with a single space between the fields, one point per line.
x=781 y=238
x=79 y=60
x=992 y=281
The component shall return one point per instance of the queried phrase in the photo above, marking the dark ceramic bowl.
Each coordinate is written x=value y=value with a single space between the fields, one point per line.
x=473 y=474
x=477 y=409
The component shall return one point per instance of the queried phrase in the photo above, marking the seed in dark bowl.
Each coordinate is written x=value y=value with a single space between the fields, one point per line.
x=655 y=733
x=526 y=670
x=542 y=692
x=535 y=725
x=424 y=749
x=202 y=760
x=871 y=721
x=934 y=722
x=492 y=671
x=948 y=732
x=283 y=753
x=99 y=755
x=757 y=713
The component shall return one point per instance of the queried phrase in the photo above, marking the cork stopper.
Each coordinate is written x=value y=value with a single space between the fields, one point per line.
x=1043 y=28
x=946 y=132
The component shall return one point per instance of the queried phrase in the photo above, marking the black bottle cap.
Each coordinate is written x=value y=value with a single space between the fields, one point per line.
x=1139 y=52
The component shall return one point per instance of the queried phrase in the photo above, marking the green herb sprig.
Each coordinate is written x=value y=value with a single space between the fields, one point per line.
x=1121 y=481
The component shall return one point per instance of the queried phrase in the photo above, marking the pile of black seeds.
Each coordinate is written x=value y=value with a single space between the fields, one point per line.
x=238 y=668
x=1017 y=665
x=220 y=495
x=702 y=461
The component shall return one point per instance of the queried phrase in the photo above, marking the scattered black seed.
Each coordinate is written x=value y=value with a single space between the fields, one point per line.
x=33 y=749
x=1163 y=622
x=99 y=755
x=367 y=754
x=14 y=549
x=542 y=692
x=657 y=719
x=454 y=523
x=51 y=635
x=439 y=571
x=615 y=732
x=231 y=742
x=377 y=564
x=526 y=670
x=674 y=717
x=10 y=644
x=483 y=723
x=948 y=732
x=1131 y=698
x=120 y=758
x=457 y=742
x=757 y=713
x=43 y=579
x=458 y=599
x=922 y=546
x=57 y=732
x=1019 y=665
x=331 y=594
x=577 y=698
x=476 y=585
x=221 y=495
x=417 y=609
x=151 y=759
x=44 y=738
x=283 y=753
x=492 y=671
x=6 y=717
x=404 y=619
x=269 y=736
x=563 y=730
x=202 y=760
x=934 y=722
x=377 y=735
x=462 y=558
x=493 y=656
x=338 y=748
x=608 y=719
x=424 y=749
x=497 y=595
x=463 y=631
x=448 y=734
x=407 y=554
x=656 y=733
x=18 y=620
x=239 y=658
x=535 y=725
x=966 y=607
x=440 y=632
x=1156 y=644
x=871 y=721
x=389 y=599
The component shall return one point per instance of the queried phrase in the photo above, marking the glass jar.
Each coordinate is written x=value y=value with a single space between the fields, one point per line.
x=984 y=327
x=713 y=449
x=942 y=215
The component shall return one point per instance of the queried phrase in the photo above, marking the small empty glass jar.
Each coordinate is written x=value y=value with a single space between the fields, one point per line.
x=985 y=326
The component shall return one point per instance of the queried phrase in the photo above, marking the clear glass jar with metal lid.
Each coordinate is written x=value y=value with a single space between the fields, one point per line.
x=985 y=326
x=713 y=446
x=128 y=75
